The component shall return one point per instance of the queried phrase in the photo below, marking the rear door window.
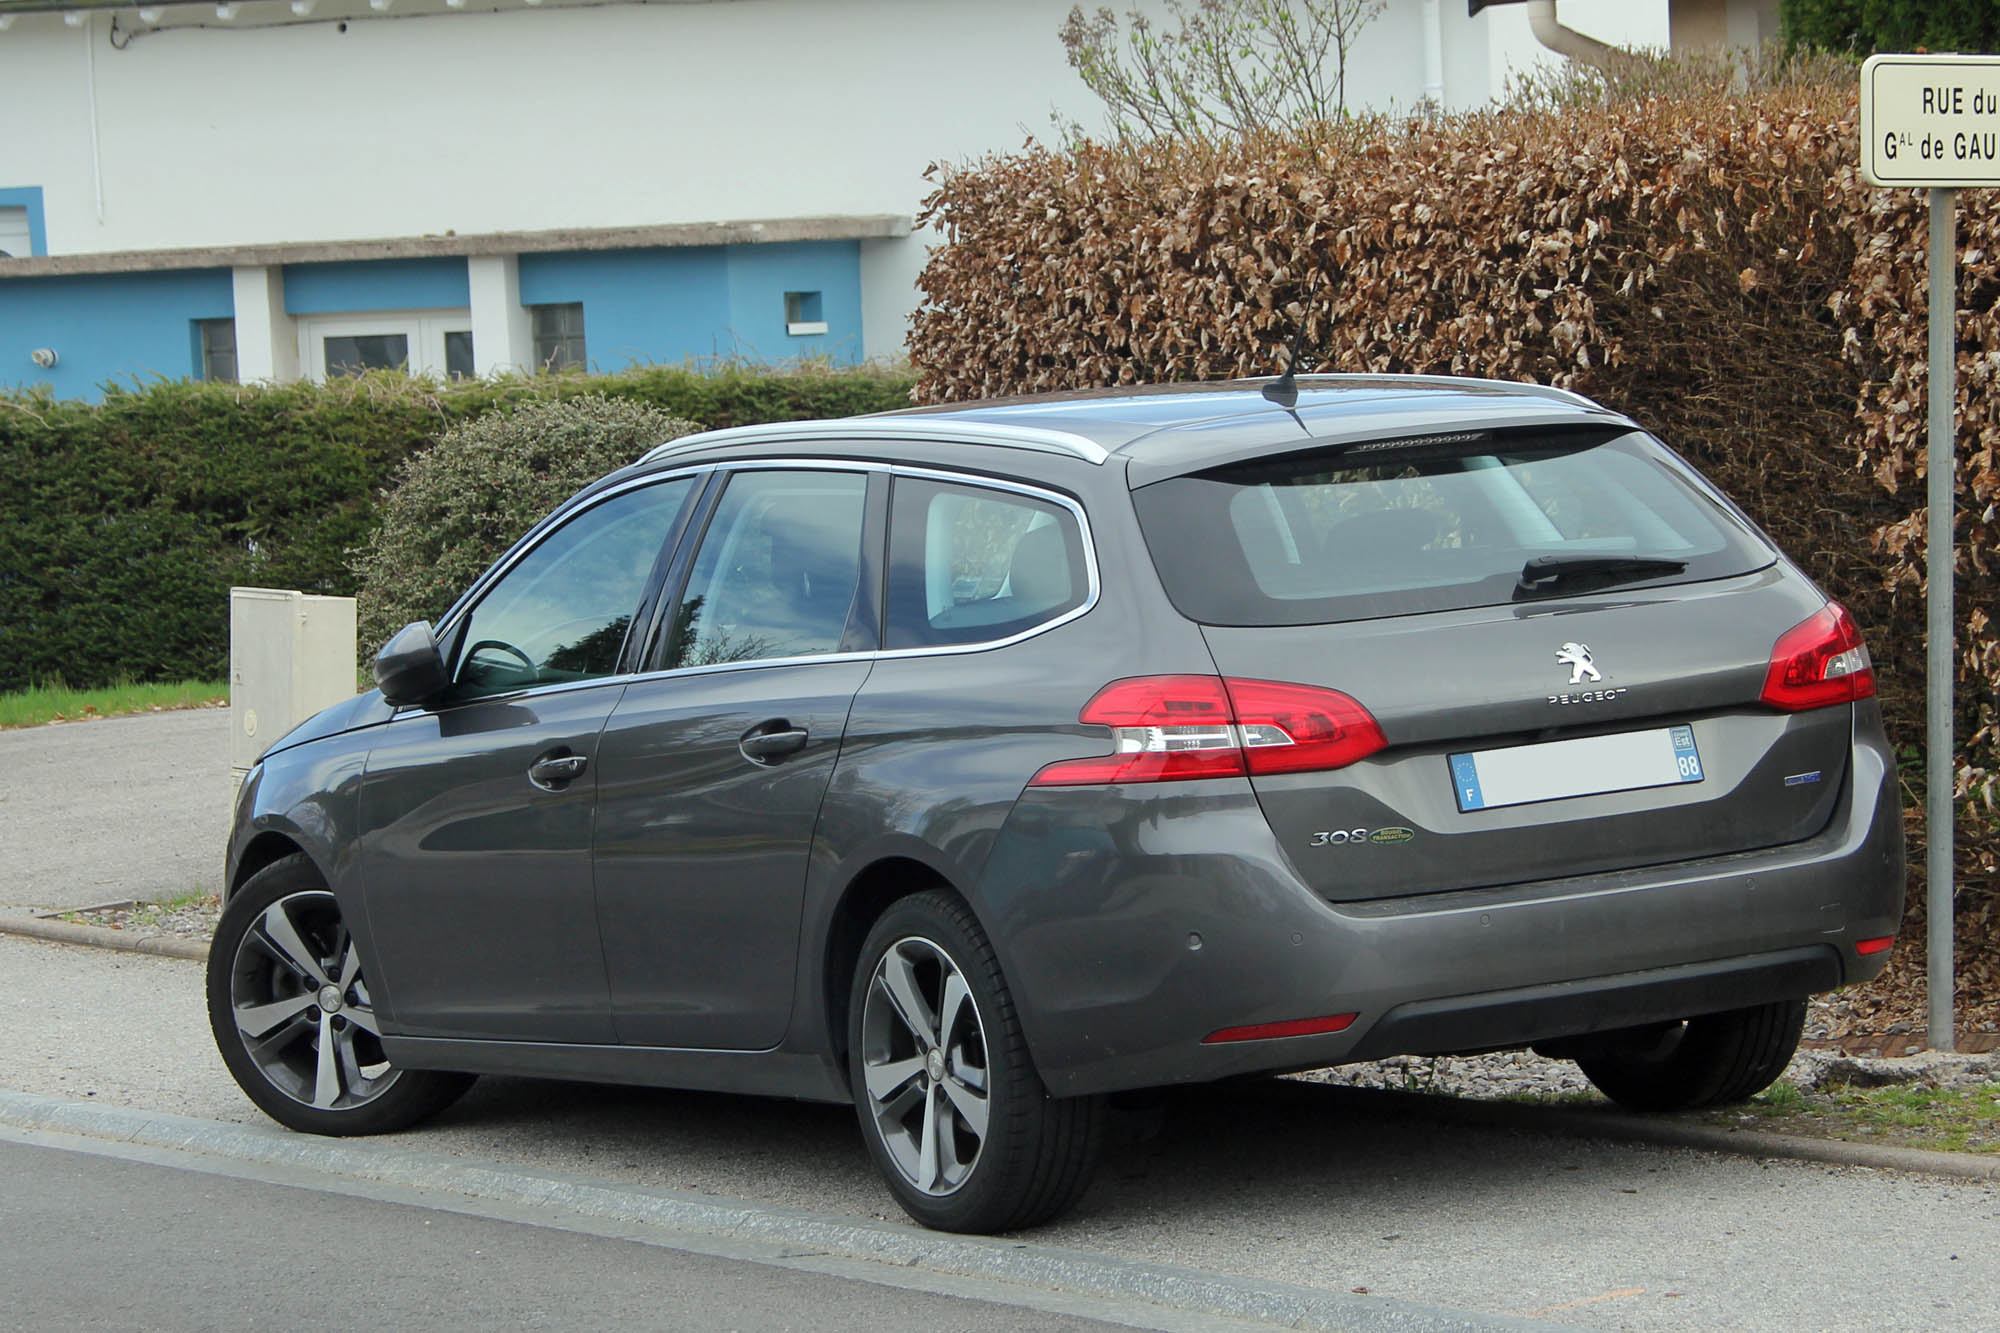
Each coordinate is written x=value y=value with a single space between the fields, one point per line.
x=1398 y=527
x=977 y=564
x=777 y=574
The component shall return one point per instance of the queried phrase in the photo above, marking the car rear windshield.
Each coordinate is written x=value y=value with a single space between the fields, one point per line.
x=1434 y=523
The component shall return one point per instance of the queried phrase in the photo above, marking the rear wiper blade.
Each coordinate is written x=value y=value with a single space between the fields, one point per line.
x=1551 y=569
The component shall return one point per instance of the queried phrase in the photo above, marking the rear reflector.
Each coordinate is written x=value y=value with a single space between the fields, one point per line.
x=1174 y=728
x=1297 y=1027
x=1866 y=947
x=1819 y=662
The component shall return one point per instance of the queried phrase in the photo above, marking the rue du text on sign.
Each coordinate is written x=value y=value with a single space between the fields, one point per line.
x=1931 y=121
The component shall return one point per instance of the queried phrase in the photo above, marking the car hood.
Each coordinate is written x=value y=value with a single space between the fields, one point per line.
x=363 y=710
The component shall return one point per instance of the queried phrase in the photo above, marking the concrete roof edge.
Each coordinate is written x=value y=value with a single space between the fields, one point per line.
x=872 y=226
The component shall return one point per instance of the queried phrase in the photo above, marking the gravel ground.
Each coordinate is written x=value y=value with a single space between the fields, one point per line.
x=189 y=918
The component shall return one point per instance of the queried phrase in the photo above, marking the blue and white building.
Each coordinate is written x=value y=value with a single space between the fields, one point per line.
x=273 y=189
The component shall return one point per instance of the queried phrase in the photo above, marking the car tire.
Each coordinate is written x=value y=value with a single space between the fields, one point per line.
x=954 y=1114
x=289 y=1006
x=1706 y=1061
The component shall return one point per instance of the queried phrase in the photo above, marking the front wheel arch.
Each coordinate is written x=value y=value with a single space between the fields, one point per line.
x=265 y=849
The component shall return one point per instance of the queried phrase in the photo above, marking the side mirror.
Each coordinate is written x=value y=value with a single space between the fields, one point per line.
x=408 y=670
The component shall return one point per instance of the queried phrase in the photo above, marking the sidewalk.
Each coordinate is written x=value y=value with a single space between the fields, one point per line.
x=126 y=808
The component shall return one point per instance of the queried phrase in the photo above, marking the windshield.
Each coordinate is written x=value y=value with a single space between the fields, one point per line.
x=1393 y=528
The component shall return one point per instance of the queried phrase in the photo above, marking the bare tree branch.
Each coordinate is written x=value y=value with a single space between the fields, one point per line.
x=1229 y=67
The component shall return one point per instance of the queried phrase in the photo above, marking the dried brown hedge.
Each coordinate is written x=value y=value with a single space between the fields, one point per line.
x=1711 y=264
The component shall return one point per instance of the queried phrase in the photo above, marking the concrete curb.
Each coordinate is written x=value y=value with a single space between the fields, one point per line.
x=62 y=932
x=1016 y=1261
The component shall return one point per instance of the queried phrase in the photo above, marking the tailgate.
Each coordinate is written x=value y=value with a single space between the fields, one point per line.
x=1596 y=734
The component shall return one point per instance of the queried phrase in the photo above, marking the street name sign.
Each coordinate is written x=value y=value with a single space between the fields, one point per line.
x=1930 y=121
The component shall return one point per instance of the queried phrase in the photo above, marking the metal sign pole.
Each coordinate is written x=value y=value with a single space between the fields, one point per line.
x=1938 y=663
x=1932 y=122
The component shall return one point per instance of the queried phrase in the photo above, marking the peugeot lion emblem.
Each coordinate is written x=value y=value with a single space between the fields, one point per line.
x=1576 y=656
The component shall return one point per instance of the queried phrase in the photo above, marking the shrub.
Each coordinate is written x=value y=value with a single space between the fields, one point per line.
x=461 y=503
x=123 y=524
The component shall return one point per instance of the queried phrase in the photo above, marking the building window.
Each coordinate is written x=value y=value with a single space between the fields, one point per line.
x=352 y=353
x=15 y=237
x=558 y=335
x=804 y=314
x=458 y=364
x=422 y=342
x=218 y=349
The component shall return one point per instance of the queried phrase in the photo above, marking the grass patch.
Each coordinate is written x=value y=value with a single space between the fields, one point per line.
x=1905 y=1115
x=57 y=702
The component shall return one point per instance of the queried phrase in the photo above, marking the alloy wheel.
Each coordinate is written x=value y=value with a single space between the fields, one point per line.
x=302 y=1009
x=924 y=1061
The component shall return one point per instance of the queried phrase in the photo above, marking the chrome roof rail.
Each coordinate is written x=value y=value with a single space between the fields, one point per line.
x=920 y=429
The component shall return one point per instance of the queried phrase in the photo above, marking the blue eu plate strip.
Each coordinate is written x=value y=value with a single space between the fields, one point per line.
x=1465 y=774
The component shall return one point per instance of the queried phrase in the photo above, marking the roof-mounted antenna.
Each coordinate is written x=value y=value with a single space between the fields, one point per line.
x=1284 y=391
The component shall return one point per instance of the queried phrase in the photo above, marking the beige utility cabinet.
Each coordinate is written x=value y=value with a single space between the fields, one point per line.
x=290 y=655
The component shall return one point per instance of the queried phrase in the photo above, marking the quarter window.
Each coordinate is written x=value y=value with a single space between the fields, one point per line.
x=970 y=564
x=777 y=572
x=562 y=612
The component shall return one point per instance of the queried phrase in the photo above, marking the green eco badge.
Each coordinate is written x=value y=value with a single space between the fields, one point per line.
x=1389 y=837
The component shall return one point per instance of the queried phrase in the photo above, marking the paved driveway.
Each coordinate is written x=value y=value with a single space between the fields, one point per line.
x=127 y=807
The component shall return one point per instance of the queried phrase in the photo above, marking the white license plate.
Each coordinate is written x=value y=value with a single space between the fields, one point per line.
x=1555 y=770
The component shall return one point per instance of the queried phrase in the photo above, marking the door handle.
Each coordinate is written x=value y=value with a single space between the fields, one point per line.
x=768 y=742
x=553 y=772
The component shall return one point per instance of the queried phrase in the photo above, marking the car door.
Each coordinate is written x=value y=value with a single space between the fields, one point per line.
x=712 y=767
x=476 y=814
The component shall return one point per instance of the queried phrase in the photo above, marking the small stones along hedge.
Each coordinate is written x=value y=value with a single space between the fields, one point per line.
x=1710 y=263
x=124 y=523
x=462 y=502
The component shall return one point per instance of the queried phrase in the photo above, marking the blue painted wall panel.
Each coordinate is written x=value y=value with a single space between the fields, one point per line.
x=759 y=277
x=702 y=302
x=639 y=306
x=122 y=327
x=377 y=284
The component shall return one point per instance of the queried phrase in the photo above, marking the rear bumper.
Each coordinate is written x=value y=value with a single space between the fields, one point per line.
x=1525 y=1014
x=1133 y=922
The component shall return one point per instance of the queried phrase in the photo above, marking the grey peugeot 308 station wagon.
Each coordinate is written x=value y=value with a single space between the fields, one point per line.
x=970 y=764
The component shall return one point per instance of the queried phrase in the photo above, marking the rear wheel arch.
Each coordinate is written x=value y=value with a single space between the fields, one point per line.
x=876 y=888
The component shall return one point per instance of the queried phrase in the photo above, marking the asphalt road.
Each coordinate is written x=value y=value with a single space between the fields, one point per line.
x=122 y=808
x=103 y=1242
x=1276 y=1181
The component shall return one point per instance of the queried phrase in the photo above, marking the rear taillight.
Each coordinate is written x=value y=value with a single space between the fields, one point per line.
x=1818 y=662
x=1173 y=728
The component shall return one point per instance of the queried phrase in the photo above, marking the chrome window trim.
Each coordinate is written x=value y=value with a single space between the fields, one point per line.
x=1094 y=585
x=926 y=430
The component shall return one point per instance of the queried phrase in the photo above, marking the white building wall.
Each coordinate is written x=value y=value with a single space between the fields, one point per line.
x=545 y=118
